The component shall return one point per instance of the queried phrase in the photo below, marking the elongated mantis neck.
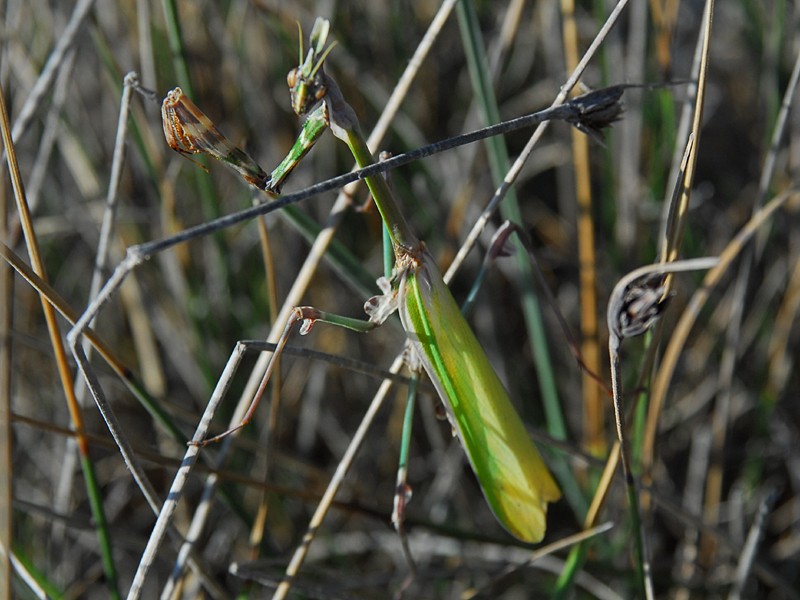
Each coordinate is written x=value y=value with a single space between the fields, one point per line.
x=344 y=125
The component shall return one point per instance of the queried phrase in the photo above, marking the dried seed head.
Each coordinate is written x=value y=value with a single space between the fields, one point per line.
x=643 y=302
x=597 y=110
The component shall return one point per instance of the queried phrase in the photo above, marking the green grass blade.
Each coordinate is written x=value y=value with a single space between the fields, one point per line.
x=95 y=496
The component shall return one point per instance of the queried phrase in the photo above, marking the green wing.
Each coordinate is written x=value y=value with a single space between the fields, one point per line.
x=512 y=474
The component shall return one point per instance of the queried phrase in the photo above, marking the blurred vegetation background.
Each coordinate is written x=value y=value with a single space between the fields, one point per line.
x=726 y=463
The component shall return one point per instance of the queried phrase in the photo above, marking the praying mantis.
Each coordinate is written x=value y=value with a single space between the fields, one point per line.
x=510 y=471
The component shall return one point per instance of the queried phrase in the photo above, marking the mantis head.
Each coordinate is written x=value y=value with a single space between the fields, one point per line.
x=307 y=82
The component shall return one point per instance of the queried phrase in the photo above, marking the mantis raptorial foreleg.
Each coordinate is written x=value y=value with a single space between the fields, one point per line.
x=314 y=126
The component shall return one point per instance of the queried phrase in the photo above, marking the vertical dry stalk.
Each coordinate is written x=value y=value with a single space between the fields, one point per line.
x=593 y=410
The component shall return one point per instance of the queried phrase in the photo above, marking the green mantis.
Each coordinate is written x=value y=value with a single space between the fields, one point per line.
x=512 y=475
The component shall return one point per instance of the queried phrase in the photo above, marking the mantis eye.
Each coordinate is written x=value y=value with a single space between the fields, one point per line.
x=291 y=78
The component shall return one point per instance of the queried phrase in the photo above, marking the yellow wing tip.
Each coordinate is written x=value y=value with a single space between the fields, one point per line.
x=525 y=518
